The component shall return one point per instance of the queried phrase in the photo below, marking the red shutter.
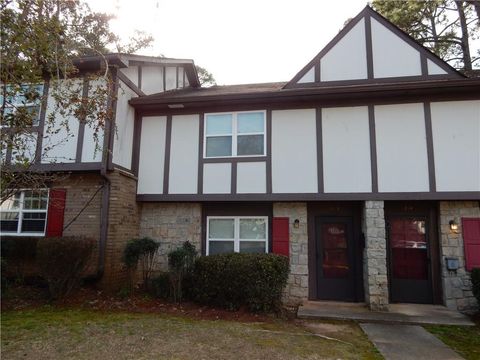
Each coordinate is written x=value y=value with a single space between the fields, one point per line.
x=471 y=242
x=56 y=208
x=280 y=235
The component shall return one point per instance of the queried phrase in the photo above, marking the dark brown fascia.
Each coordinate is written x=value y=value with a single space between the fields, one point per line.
x=353 y=94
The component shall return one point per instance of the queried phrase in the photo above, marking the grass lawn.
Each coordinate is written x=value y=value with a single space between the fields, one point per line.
x=463 y=339
x=48 y=333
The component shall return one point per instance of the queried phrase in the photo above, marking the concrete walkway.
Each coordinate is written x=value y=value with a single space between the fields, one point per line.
x=405 y=342
x=411 y=314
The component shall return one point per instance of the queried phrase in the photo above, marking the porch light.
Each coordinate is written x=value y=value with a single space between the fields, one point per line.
x=453 y=225
x=296 y=224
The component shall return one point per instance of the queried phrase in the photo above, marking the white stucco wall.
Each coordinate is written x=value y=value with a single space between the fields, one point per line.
x=294 y=151
x=251 y=178
x=184 y=155
x=401 y=148
x=152 y=79
x=152 y=155
x=217 y=178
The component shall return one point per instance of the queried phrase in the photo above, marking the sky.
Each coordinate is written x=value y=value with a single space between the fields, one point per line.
x=247 y=41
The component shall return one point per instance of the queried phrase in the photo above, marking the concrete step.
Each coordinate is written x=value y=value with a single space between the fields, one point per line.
x=397 y=313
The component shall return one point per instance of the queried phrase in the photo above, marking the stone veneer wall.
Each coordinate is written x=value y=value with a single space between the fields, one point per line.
x=456 y=284
x=123 y=225
x=297 y=288
x=172 y=224
x=375 y=255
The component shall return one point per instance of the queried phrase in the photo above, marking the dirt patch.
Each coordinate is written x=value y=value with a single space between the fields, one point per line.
x=325 y=328
x=30 y=297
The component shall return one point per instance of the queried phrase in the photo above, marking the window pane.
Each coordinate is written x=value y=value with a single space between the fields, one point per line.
x=219 y=146
x=9 y=221
x=12 y=203
x=220 y=247
x=35 y=200
x=250 y=123
x=220 y=229
x=33 y=222
x=252 y=247
x=250 y=145
x=253 y=229
x=219 y=124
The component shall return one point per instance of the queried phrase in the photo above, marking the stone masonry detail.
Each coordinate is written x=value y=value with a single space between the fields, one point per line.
x=172 y=224
x=297 y=287
x=457 y=287
x=375 y=256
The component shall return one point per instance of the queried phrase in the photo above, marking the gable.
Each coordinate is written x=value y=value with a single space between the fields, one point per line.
x=370 y=48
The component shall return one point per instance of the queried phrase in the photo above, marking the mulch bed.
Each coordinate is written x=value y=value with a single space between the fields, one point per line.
x=89 y=298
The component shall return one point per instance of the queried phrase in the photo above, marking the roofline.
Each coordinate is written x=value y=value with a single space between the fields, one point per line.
x=354 y=94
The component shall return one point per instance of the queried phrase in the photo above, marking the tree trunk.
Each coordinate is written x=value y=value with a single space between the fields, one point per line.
x=467 y=60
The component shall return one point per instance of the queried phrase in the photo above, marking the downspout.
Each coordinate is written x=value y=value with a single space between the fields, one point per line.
x=106 y=160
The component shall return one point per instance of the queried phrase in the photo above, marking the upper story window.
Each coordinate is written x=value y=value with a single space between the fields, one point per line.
x=235 y=134
x=244 y=234
x=25 y=213
x=26 y=101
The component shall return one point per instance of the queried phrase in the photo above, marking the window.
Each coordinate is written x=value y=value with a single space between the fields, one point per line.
x=243 y=234
x=26 y=101
x=25 y=213
x=235 y=134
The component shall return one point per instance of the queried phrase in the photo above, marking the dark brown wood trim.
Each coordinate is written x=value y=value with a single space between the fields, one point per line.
x=109 y=131
x=139 y=77
x=41 y=127
x=137 y=131
x=176 y=77
x=459 y=195
x=268 y=167
x=201 y=120
x=320 y=181
x=130 y=84
x=166 y=163
x=423 y=66
x=373 y=148
x=235 y=159
x=164 y=70
x=317 y=71
x=63 y=167
x=368 y=46
x=81 y=123
x=430 y=152
x=361 y=92
x=233 y=186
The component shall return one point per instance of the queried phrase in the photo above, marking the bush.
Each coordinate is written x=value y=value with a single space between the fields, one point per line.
x=161 y=287
x=180 y=266
x=62 y=261
x=232 y=280
x=18 y=254
x=475 y=276
x=141 y=251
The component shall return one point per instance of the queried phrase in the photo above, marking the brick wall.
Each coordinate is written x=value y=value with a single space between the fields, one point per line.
x=83 y=206
x=171 y=224
x=456 y=284
x=297 y=287
x=123 y=225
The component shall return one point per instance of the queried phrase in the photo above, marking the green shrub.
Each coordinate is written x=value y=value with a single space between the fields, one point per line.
x=62 y=261
x=234 y=280
x=141 y=251
x=180 y=265
x=475 y=276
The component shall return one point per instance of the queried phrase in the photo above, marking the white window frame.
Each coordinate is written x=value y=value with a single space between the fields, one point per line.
x=15 y=105
x=235 y=134
x=236 y=232
x=21 y=210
